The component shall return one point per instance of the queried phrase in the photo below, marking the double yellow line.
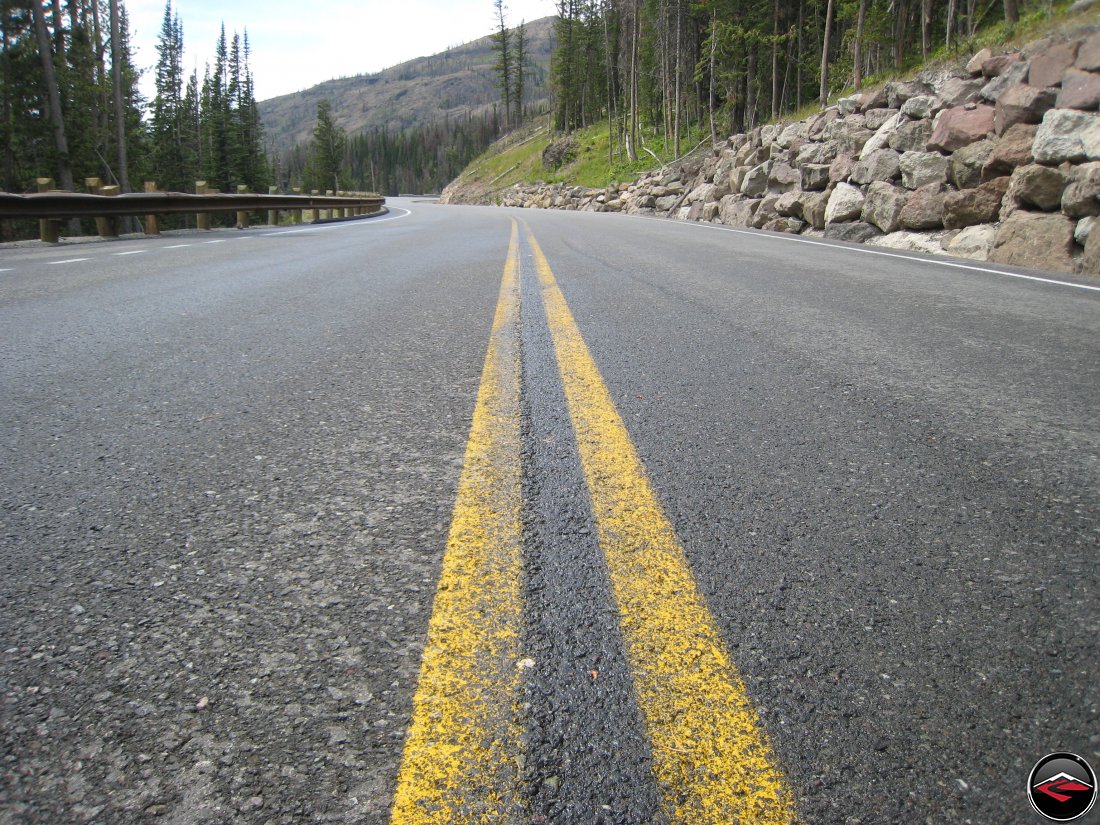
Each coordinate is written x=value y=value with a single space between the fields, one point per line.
x=711 y=758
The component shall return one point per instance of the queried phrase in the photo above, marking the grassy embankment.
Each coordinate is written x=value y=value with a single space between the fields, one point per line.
x=517 y=157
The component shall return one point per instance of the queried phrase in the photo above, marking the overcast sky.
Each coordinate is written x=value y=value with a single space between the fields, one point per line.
x=297 y=45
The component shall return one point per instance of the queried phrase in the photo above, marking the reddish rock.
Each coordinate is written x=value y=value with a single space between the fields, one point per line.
x=1014 y=149
x=924 y=208
x=878 y=99
x=841 y=168
x=1036 y=240
x=971 y=207
x=1048 y=66
x=1022 y=104
x=1088 y=56
x=959 y=127
x=1080 y=90
x=997 y=66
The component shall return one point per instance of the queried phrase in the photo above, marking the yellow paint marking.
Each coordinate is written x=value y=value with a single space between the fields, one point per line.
x=461 y=758
x=711 y=757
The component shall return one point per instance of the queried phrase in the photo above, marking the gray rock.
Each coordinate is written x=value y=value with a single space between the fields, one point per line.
x=818 y=123
x=796 y=131
x=1060 y=136
x=852 y=141
x=899 y=93
x=921 y=106
x=881 y=138
x=755 y=183
x=789 y=205
x=1083 y=229
x=966 y=164
x=1039 y=240
x=921 y=168
x=816 y=153
x=815 y=177
x=974 y=242
x=845 y=204
x=959 y=90
x=813 y=208
x=848 y=105
x=857 y=232
x=877 y=99
x=839 y=127
x=882 y=206
x=667 y=203
x=1088 y=55
x=876 y=117
x=996 y=87
x=766 y=213
x=1081 y=199
x=841 y=168
x=882 y=164
x=1089 y=263
x=1037 y=186
x=912 y=136
x=737 y=210
x=974 y=65
x=783 y=177
x=909 y=241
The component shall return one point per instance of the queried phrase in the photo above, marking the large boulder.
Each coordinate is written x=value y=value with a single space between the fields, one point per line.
x=921 y=106
x=1080 y=90
x=882 y=164
x=1061 y=136
x=1013 y=149
x=1022 y=104
x=877 y=117
x=882 y=206
x=996 y=87
x=924 y=208
x=851 y=141
x=1089 y=263
x=959 y=127
x=1088 y=55
x=1084 y=229
x=796 y=131
x=815 y=177
x=789 y=204
x=841 y=168
x=766 y=213
x=1035 y=239
x=959 y=90
x=783 y=178
x=755 y=183
x=969 y=207
x=966 y=164
x=1081 y=198
x=1048 y=66
x=921 y=168
x=881 y=137
x=974 y=242
x=737 y=210
x=974 y=65
x=845 y=204
x=909 y=241
x=898 y=93
x=817 y=124
x=857 y=232
x=813 y=208
x=911 y=136
x=1037 y=186
x=995 y=66
x=815 y=153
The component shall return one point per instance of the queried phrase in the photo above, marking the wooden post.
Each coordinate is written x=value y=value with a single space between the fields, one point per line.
x=49 y=230
x=112 y=222
x=329 y=213
x=315 y=214
x=202 y=219
x=152 y=227
x=105 y=227
x=273 y=214
x=242 y=215
x=297 y=213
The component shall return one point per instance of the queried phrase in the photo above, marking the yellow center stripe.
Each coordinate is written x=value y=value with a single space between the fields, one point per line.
x=461 y=758
x=713 y=763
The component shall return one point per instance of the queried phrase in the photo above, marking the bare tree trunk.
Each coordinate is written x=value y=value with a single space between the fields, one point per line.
x=925 y=28
x=951 y=12
x=798 y=65
x=857 y=56
x=750 y=88
x=775 y=59
x=713 y=46
x=120 y=108
x=901 y=13
x=58 y=29
x=632 y=133
x=53 y=94
x=823 y=93
x=1012 y=11
x=676 y=84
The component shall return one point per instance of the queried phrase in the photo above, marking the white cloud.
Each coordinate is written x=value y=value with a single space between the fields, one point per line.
x=295 y=46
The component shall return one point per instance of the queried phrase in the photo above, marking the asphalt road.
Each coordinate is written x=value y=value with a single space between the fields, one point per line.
x=232 y=484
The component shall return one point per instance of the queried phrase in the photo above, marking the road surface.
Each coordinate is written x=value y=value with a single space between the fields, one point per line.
x=479 y=515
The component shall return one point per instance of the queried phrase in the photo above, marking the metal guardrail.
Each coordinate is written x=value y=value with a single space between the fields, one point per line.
x=59 y=205
x=104 y=203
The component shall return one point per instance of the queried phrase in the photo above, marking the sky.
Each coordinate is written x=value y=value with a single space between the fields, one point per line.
x=298 y=45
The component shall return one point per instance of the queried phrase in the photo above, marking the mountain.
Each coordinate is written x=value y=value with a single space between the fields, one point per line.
x=419 y=92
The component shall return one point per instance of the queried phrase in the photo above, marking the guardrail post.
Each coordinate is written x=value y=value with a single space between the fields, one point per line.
x=49 y=231
x=315 y=214
x=105 y=227
x=330 y=213
x=296 y=213
x=152 y=227
x=202 y=219
x=273 y=214
x=242 y=216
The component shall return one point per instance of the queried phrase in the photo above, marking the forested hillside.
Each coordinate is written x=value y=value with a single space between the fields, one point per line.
x=666 y=68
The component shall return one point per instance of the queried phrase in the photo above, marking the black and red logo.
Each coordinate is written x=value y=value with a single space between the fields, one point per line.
x=1062 y=787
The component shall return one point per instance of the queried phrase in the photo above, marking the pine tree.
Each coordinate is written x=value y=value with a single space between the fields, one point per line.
x=519 y=69
x=326 y=154
x=502 y=42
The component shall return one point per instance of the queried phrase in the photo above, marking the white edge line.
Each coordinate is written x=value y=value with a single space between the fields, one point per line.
x=67 y=261
x=177 y=246
x=5 y=270
x=934 y=262
x=342 y=224
x=134 y=252
x=220 y=240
